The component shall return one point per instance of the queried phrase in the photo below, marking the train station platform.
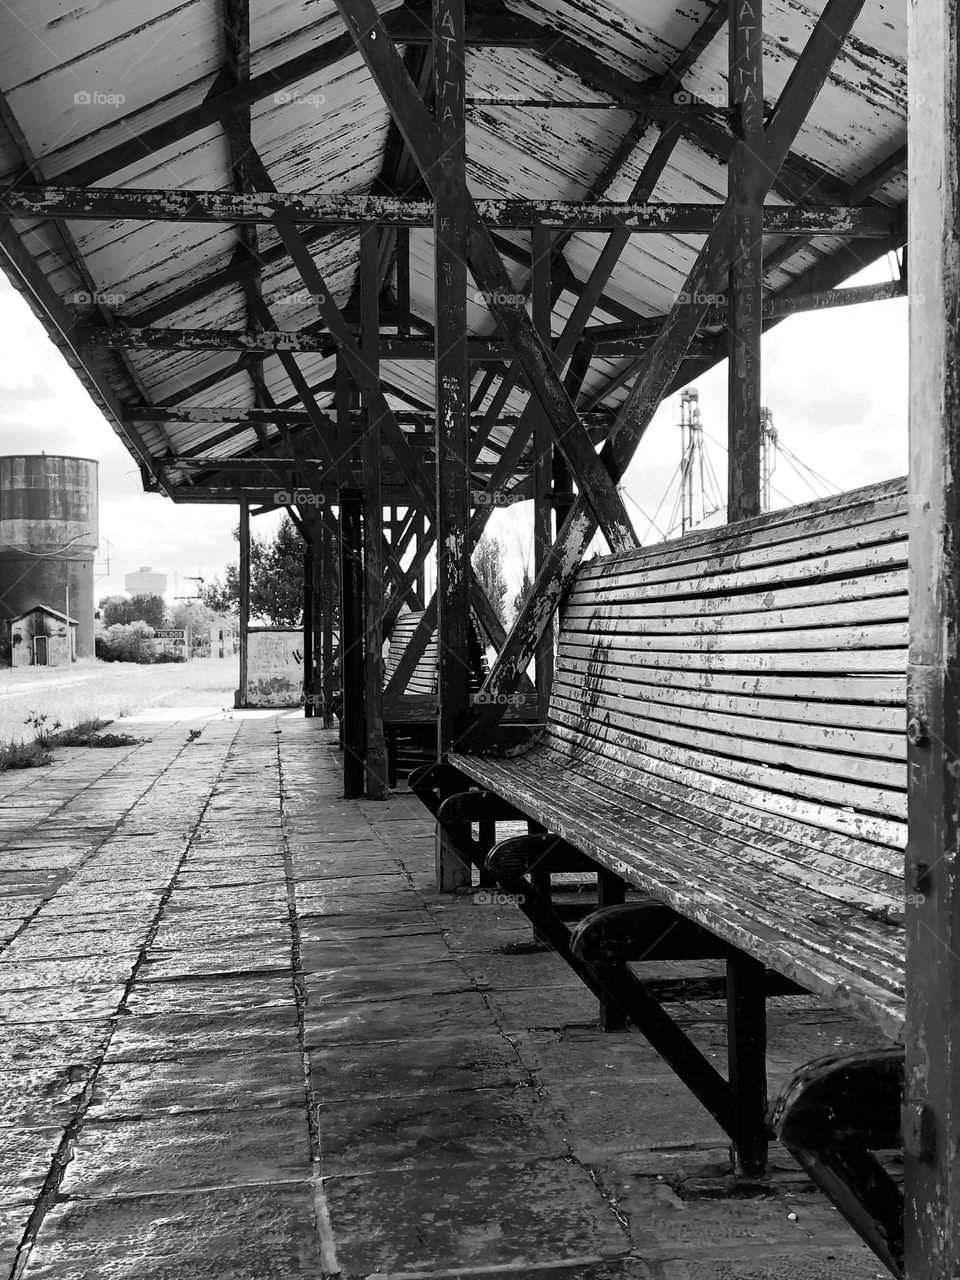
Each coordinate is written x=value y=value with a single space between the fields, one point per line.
x=247 y=1040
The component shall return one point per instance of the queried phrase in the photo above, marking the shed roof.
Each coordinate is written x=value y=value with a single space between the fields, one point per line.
x=138 y=97
x=43 y=608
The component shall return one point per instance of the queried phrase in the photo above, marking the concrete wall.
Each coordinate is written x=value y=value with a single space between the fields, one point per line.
x=48 y=538
x=274 y=668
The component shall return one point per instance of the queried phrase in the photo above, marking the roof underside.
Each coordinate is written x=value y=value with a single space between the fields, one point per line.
x=82 y=82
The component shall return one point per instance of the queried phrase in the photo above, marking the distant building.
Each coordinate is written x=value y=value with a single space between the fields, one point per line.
x=43 y=637
x=145 y=582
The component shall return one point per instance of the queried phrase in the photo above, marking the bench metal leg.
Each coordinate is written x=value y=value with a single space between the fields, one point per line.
x=747 y=1062
x=611 y=892
x=390 y=736
x=487 y=839
x=453 y=872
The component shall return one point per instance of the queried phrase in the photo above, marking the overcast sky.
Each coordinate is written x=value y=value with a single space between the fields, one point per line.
x=836 y=383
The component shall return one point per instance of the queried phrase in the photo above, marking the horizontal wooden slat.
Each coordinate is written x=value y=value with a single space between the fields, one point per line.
x=744 y=554
x=673 y=817
x=796 y=769
x=821 y=591
x=850 y=662
x=877 y=636
x=857 y=510
x=749 y=819
x=711 y=579
x=583 y=616
x=881 y=710
x=738 y=721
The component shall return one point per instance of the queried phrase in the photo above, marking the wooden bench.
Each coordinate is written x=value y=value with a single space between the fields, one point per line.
x=409 y=718
x=725 y=735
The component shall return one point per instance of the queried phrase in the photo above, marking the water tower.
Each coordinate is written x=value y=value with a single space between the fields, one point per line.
x=48 y=538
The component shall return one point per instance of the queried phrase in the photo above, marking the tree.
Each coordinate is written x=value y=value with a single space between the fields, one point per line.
x=145 y=607
x=276 y=580
x=488 y=566
x=223 y=597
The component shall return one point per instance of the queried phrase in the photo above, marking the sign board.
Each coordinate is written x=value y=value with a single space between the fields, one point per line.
x=172 y=640
x=274 y=668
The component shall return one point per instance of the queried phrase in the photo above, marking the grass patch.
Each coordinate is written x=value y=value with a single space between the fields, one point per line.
x=87 y=734
x=24 y=755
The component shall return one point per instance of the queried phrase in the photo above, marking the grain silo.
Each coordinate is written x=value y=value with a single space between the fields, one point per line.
x=48 y=538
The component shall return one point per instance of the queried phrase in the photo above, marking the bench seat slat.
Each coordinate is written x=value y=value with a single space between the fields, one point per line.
x=737 y=720
x=821 y=959
x=759 y=764
x=671 y=823
x=845 y=822
x=865 y=866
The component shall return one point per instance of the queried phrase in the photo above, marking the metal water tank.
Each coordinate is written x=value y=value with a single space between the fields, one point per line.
x=48 y=538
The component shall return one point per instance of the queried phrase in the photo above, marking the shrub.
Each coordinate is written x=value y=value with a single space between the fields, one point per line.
x=24 y=755
x=126 y=642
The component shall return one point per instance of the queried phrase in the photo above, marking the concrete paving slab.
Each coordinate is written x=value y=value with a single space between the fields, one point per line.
x=42 y=1006
x=199 y=1082
x=26 y=1155
x=162 y=1037
x=417 y=1018
x=363 y=981
x=470 y=1216
x=210 y=995
x=232 y=1234
x=321 y=952
x=397 y=1068
x=475 y=1125
x=13 y=1223
x=169 y=1152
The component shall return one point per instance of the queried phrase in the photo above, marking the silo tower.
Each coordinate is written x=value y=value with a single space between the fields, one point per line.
x=48 y=538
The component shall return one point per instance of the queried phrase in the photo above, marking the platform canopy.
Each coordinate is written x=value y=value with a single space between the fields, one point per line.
x=186 y=188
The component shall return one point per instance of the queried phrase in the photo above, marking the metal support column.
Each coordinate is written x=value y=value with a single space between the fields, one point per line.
x=453 y=402
x=241 y=698
x=352 y=672
x=931 y=1114
x=748 y=182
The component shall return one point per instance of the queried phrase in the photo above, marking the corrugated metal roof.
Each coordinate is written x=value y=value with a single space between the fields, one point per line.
x=79 y=80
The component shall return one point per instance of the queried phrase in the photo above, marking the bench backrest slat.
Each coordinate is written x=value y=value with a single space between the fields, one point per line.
x=762 y=662
x=424 y=677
